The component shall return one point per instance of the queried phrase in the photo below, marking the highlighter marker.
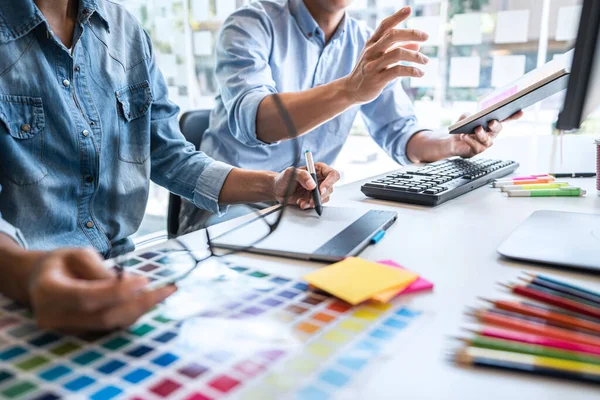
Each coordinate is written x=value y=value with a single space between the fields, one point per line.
x=534 y=186
x=567 y=191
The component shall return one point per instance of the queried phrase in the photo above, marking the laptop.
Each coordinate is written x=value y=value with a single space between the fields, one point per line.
x=562 y=239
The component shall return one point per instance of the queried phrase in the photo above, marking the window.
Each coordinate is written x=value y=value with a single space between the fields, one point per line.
x=475 y=47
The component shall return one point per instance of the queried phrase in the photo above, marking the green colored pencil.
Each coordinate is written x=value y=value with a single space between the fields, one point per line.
x=531 y=349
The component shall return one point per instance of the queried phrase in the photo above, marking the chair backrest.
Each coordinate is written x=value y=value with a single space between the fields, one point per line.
x=193 y=124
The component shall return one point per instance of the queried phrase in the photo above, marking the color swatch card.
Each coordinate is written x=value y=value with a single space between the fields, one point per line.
x=266 y=337
x=356 y=280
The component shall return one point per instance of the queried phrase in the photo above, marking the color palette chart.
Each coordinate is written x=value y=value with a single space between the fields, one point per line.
x=161 y=357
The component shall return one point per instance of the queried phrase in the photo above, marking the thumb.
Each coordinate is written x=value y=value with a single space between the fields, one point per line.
x=305 y=180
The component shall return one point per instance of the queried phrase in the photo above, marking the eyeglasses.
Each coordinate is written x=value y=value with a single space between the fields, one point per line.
x=255 y=210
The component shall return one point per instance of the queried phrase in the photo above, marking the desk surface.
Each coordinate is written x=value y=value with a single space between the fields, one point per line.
x=454 y=245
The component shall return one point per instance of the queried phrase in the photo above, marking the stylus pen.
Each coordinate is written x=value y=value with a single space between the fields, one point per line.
x=567 y=191
x=575 y=175
x=316 y=195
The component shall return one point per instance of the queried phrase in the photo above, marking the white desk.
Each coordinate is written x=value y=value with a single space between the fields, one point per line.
x=454 y=245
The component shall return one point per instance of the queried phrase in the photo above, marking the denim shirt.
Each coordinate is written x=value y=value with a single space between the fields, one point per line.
x=277 y=46
x=83 y=131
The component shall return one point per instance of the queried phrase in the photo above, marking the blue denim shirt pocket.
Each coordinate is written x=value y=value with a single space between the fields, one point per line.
x=133 y=104
x=22 y=126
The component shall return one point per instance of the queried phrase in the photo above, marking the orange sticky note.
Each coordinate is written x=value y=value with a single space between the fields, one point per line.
x=355 y=280
x=387 y=295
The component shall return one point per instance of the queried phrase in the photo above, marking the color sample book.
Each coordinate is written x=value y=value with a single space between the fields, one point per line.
x=356 y=280
x=160 y=358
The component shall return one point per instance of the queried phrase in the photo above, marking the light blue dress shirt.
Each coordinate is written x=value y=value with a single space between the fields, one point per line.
x=83 y=132
x=277 y=46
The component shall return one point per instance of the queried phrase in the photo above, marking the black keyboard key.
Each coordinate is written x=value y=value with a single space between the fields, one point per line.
x=414 y=190
x=376 y=185
x=430 y=191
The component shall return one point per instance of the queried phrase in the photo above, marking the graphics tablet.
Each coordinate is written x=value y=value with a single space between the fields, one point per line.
x=339 y=233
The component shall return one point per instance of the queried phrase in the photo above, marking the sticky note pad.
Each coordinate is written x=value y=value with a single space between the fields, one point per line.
x=355 y=280
x=419 y=285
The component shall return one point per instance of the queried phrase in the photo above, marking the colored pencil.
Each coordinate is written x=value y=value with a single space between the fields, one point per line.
x=561 y=311
x=554 y=300
x=565 y=287
x=545 y=289
x=546 y=366
x=532 y=349
x=518 y=336
x=535 y=328
x=563 y=320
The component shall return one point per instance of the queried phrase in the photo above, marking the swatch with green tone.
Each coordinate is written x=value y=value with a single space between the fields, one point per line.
x=17 y=390
x=32 y=363
x=258 y=274
x=65 y=348
x=116 y=343
x=142 y=330
x=162 y=319
x=87 y=357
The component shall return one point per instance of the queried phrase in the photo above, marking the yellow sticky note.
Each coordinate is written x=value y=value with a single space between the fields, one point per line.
x=355 y=280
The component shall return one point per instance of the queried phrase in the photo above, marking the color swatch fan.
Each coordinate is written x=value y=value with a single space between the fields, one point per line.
x=298 y=343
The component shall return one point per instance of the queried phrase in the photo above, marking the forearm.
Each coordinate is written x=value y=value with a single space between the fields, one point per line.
x=429 y=146
x=308 y=109
x=16 y=265
x=246 y=186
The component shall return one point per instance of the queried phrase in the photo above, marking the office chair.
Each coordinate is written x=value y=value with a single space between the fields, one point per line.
x=192 y=125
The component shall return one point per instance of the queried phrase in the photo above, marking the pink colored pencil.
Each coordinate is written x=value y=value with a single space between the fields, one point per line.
x=516 y=336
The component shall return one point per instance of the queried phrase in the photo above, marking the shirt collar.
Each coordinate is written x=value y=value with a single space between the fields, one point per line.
x=18 y=18
x=307 y=23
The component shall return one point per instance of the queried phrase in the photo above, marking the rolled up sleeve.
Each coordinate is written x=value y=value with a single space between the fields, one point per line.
x=175 y=162
x=391 y=121
x=243 y=71
x=11 y=231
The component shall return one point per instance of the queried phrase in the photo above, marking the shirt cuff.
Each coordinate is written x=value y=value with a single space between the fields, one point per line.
x=250 y=105
x=13 y=232
x=401 y=156
x=209 y=185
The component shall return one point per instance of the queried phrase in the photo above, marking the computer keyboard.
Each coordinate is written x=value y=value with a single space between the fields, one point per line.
x=438 y=182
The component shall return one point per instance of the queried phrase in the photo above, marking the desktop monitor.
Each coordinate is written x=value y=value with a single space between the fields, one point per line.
x=583 y=90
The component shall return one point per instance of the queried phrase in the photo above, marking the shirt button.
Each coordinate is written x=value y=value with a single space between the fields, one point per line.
x=26 y=128
x=92 y=123
x=85 y=133
x=90 y=224
x=309 y=34
x=90 y=179
x=66 y=83
x=77 y=68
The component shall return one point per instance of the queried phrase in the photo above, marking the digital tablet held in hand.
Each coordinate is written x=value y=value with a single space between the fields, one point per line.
x=515 y=102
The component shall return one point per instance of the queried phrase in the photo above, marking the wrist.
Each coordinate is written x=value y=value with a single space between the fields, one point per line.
x=268 y=185
x=18 y=266
x=343 y=90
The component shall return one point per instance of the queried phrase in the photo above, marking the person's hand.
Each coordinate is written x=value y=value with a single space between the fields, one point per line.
x=70 y=290
x=301 y=195
x=469 y=145
x=378 y=62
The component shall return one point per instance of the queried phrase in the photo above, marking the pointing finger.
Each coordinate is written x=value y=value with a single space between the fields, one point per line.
x=389 y=23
